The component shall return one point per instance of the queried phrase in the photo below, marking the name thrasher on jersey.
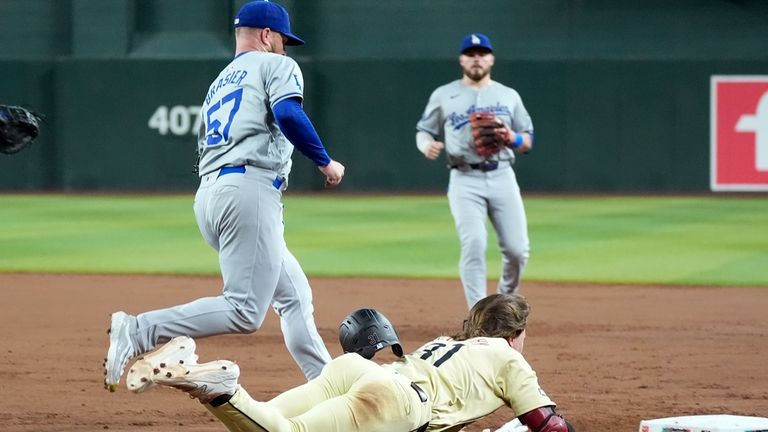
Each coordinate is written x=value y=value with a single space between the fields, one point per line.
x=238 y=126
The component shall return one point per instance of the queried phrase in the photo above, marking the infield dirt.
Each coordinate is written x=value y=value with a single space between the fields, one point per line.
x=608 y=355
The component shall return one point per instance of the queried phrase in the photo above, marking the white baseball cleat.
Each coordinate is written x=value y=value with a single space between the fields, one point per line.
x=205 y=381
x=121 y=348
x=178 y=351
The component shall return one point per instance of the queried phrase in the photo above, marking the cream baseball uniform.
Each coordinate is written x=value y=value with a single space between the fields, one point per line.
x=462 y=381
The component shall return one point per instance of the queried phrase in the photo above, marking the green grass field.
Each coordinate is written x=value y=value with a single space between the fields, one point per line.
x=703 y=240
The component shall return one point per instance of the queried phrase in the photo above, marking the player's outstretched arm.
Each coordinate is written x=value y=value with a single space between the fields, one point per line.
x=545 y=419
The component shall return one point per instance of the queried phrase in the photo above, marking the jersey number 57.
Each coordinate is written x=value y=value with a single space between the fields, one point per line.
x=218 y=113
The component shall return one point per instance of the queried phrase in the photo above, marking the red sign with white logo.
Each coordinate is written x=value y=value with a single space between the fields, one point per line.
x=739 y=133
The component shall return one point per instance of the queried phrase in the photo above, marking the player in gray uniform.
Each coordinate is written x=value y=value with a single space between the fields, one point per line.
x=252 y=120
x=480 y=187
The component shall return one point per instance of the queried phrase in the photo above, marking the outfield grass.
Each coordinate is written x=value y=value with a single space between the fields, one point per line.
x=659 y=240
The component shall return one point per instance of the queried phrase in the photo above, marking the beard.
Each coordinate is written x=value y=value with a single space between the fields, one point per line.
x=476 y=73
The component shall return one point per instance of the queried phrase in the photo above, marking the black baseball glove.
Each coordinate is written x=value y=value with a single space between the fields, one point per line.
x=18 y=128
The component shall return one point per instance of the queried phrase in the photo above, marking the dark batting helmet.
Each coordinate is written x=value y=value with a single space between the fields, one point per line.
x=366 y=331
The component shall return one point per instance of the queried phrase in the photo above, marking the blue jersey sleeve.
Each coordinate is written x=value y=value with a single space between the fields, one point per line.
x=296 y=126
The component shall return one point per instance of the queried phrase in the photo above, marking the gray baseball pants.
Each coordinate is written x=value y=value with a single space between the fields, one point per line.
x=475 y=196
x=241 y=216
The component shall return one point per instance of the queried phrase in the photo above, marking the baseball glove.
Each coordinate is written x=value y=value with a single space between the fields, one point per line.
x=18 y=128
x=489 y=133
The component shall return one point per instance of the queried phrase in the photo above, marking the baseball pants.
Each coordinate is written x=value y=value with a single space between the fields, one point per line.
x=241 y=216
x=475 y=196
x=351 y=394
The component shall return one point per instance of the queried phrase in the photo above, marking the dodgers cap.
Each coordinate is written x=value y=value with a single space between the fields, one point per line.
x=265 y=14
x=476 y=40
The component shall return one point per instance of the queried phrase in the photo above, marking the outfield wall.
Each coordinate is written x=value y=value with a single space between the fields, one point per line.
x=619 y=94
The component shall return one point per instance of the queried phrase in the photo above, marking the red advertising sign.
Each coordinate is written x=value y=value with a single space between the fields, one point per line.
x=739 y=133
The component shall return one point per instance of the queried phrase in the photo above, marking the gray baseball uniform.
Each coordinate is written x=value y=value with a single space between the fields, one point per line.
x=244 y=165
x=480 y=188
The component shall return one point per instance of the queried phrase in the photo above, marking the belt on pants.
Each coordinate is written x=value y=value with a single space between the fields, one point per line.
x=240 y=169
x=423 y=397
x=484 y=166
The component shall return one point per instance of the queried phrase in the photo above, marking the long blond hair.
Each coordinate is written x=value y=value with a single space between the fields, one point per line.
x=498 y=315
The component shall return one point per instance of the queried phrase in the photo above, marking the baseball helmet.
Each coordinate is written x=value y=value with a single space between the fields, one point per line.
x=366 y=331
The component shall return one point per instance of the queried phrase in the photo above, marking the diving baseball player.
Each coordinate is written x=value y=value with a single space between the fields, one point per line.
x=253 y=119
x=482 y=124
x=443 y=386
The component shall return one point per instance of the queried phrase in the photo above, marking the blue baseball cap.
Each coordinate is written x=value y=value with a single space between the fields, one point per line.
x=476 y=40
x=265 y=14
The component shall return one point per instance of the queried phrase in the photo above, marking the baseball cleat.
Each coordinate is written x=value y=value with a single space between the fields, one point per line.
x=179 y=351
x=121 y=348
x=205 y=381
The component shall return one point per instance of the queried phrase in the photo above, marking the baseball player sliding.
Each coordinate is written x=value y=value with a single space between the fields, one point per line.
x=483 y=124
x=253 y=119
x=443 y=386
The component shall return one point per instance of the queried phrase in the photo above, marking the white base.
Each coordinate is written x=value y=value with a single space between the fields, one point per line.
x=706 y=423
x=512 y=426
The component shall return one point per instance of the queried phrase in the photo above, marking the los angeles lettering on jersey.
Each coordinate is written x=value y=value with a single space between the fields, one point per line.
x=458 y=120
x=233 y=78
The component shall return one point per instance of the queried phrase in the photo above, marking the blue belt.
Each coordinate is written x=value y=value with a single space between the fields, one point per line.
x=231 y=170
x=240 y=169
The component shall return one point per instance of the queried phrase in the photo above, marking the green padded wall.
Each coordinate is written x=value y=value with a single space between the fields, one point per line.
x=618 y=91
